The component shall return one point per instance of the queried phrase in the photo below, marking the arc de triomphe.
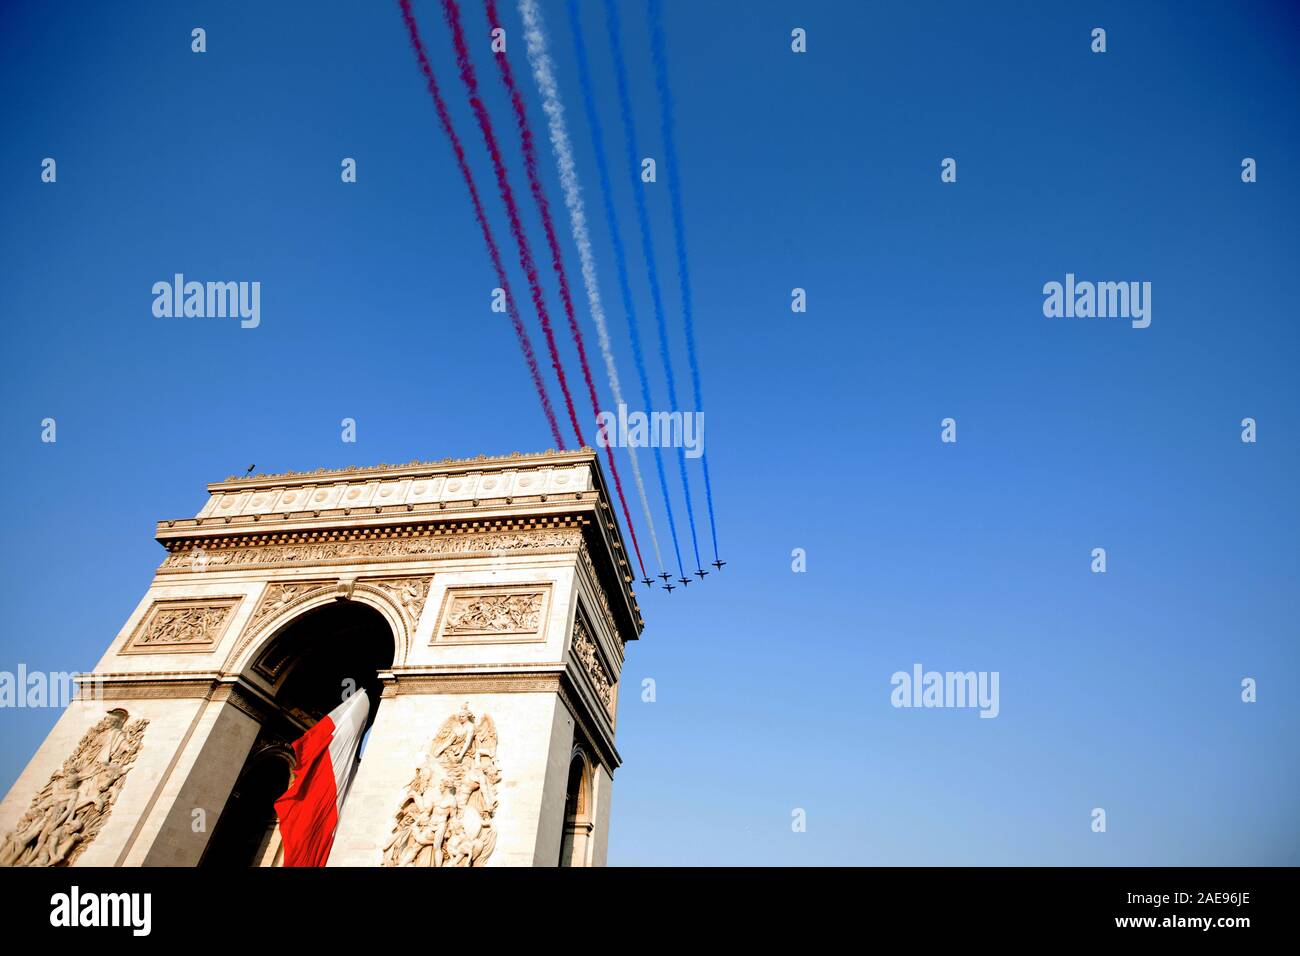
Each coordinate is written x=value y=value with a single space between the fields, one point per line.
x=484 y=604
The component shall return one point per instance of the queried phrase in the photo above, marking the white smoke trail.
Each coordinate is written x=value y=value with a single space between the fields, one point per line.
x=544 y=75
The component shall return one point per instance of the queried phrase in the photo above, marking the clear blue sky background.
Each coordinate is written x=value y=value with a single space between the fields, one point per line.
x=821 y=171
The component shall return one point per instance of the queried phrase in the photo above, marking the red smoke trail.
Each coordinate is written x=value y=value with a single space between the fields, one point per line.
x=445 y=118
x=451 y=12
x=557 y=261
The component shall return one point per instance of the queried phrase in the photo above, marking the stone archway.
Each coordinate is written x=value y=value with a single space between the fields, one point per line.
x=247 y=833
x=578 y=820
x=283 y=603
x=315 y=659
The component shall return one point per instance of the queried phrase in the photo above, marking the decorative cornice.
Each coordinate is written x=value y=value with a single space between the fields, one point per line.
x=171 y=685
x=496 y=682
x=243 y=698
x=416 y=466
x=558 y=534
x=145 y=687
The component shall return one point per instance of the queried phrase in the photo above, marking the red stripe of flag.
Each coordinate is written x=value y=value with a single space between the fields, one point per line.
x=309 y=810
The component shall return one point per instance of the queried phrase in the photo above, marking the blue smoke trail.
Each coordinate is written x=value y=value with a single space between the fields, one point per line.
x=654 y=12
x=620 y=257
x=647 y=240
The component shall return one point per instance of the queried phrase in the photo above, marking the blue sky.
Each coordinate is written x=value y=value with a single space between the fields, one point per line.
x=819 y=171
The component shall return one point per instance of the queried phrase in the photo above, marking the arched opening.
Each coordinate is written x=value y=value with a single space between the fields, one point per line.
x=309 y=667
x=577 y=813
x=246 y=830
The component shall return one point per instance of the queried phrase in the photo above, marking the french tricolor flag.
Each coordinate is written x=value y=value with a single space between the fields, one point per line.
x=327 y=760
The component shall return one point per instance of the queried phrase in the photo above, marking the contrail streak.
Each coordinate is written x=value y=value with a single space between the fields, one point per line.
x=494 y=253
x=526 y=140
x=667 y=123
x=539 y=58
x=451 y=12
x=620 y=255
x=647 y=242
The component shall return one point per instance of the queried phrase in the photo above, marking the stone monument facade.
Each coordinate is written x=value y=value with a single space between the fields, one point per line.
x=484 y=604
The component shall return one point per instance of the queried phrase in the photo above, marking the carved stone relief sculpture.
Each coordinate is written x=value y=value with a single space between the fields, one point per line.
x=191 y=625
x=67 y=814
x=279 y=596
x=409 y=593
x=491 y=543
x=494 y=613
x=446 y=817
x=584 y=650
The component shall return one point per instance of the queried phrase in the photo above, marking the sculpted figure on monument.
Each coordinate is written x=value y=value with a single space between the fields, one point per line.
x=446 y=816
x=68 y=812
